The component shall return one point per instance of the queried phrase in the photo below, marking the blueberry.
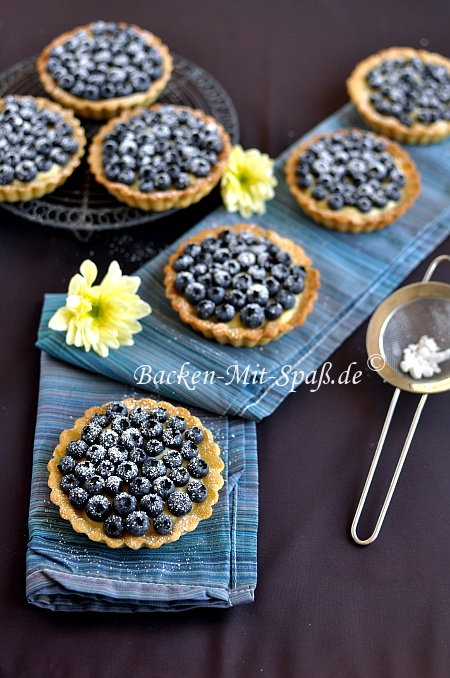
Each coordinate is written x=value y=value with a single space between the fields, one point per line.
x=252 y=315
x=117 y=454
x=94 y=484
x=305 y=180
x=215 y=294
x=114 y=485
x=137 y=456
x=236 y=298
x=222 y=278
x=280 y=272
x=120 y=424
x=152 y=428
x=113 y=526
x=197 y=491
x=183 y=263
x=66 y=465
x=319 y=193
x=107 y=439
x=179 y=476
x=225 y=313
x=336 y=202
x=77 y=449
x=176 y=423
x=182 y=280
x=285 y=298
x=205 y=309
x=127 y=470
x=179 y=503
x=95 y=453
x=25 y=171
x=124 y=503
x=193 y=250
x=172 y=438
x=105 y=468
x=137 y=523
x=163 y=524
x=154 y=447
x=272 y=285
x=194 y=435
x=364 y=204
x=84 y=469
x=98 y=508
x=6 y=174
x=294 y=285
x=273 y=310
x=172 y=459
x=68 y=482
x=195 y=292
x=258 y=294
x=116 y=408
x=242 y=281
x=153 y=468
x=163 y=486
x=78 y=497
x=140 y=486
x=162 y=181
x=100 y=419
x=152 y=504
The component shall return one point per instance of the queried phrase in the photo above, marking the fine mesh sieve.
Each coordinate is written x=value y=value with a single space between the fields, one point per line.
x=405 y=316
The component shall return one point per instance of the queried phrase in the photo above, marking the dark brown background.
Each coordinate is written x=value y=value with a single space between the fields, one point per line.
x=324 y=607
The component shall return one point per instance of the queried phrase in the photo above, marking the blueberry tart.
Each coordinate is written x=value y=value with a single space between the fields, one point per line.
x=102 y=69
x=160 y=158
x=352 y=180
x=404 y=94
x=41 y=145
x=147 y=495
x=240 y=285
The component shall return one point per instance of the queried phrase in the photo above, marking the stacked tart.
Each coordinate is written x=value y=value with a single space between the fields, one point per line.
x=103 y=68
x=404 y=93
x=241 y=285
x=161 y=157
x=135 y=473
x=352 y=180
x=41 y=144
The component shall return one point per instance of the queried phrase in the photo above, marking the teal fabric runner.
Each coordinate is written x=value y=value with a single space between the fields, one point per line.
x=357 y=272
x=214 y=566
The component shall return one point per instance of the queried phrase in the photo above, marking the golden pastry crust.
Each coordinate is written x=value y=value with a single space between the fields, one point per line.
x=213 y=481
x=241 y=336
x=48 y=181
x=350 y=219
x=359 y=92
x=159 y=201
x=104 y=108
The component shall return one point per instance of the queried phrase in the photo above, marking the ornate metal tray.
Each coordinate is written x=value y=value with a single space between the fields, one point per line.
x=81 y=204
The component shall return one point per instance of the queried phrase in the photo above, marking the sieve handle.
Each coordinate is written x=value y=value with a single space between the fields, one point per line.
x=434 y=264
x=376 y=457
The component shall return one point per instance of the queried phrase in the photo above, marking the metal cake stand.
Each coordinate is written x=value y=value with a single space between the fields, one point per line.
x=81 y=204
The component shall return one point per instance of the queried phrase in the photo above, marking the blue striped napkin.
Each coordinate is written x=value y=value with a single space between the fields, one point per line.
x=213 y=566
x=357 y=272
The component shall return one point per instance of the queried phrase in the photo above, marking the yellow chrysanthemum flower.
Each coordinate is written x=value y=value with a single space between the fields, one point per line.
x=248 y=181
x=104 y=316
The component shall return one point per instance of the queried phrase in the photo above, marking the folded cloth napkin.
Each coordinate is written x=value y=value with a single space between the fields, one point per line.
x=213 y=566
x=357 y=272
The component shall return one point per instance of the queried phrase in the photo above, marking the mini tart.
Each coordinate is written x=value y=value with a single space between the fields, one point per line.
x=104 y=108
x=360 y=93
x=234 y=332
x=45 y=181
x=159 y=200
x=349 y=218
x=208 y=450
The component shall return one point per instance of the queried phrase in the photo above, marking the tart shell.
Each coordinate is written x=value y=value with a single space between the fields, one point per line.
x=359 y=92
x=159 y=201
x=80 y=522
x=356 y=222
x=38 y=187
x=104 y=108
x=244 y=336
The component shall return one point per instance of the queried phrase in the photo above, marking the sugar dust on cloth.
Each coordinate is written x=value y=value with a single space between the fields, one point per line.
x=423 y=359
